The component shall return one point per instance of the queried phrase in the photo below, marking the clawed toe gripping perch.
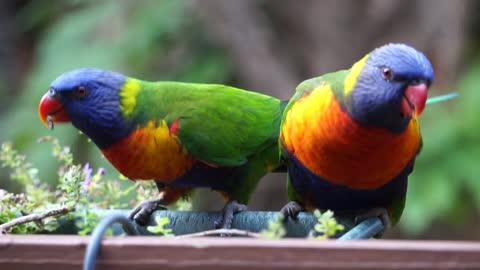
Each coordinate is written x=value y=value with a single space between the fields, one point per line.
x=192 y=222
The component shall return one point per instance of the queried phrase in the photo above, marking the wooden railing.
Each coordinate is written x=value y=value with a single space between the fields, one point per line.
x=149 y=252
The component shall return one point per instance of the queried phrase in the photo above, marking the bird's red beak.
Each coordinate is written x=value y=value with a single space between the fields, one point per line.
x=51 y=110
x=414 y=99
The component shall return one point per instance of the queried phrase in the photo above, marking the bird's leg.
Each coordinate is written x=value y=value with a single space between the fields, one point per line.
x=291 y=209
x=142 y=212
x=379 y=212
x=231 y=208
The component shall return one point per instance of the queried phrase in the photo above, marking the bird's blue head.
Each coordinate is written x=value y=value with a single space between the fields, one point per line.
x=388 y=87
x=89 y=99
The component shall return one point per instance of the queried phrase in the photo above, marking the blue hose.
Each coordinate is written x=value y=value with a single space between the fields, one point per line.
x=96 y=238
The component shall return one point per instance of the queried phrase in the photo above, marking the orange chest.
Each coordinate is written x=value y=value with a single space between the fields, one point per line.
x=335 y=147
x=150 y=152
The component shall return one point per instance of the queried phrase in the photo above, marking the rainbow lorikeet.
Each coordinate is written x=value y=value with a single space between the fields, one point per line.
x=350 y=137
x=182 y=135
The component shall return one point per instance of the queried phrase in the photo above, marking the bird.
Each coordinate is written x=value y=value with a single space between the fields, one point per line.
x=350 y=138
x=181 y=135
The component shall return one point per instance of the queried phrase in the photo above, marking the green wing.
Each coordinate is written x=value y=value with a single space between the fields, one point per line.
x=217 y=124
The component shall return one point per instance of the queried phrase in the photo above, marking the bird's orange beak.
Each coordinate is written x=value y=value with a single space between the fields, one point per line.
x=51 y=110
x=414 y=99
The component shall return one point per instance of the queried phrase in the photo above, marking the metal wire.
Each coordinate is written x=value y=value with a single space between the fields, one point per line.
x=96 y=238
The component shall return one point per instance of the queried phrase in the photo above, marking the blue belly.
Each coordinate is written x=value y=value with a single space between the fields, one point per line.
x=202 y=175
x=323 y=194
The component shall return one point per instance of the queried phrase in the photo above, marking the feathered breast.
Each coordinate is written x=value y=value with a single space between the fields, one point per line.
x=150 y=152
x=335 y=147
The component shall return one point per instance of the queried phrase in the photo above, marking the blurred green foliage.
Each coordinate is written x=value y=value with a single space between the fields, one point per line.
x=444 y=185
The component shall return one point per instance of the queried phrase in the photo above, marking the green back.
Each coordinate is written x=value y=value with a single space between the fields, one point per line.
x=218 y=124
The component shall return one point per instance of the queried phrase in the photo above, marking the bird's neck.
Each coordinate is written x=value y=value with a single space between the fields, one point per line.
x=142 y=101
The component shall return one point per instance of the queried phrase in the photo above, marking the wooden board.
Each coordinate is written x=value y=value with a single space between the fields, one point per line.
x=142 y=252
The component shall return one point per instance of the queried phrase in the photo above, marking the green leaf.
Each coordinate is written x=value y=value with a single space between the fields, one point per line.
x=275 y=229
x=160 y=227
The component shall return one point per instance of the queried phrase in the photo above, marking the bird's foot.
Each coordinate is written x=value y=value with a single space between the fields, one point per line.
x=142 y=212
x=229 y=210
x=291 y=209
x=379 y=212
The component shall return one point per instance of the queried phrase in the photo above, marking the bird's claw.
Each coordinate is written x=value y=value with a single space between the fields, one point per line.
x=229 y=210
x=142 y=212
x=291 y=209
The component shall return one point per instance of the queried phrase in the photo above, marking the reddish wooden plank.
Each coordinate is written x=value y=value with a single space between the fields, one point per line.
x=66 y=252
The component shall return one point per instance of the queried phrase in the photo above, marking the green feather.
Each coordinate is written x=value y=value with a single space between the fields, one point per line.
x=218 y=124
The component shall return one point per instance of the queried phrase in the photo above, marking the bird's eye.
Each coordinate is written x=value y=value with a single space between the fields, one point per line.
x=387 y=73
x=81 y=91
x=51 y=92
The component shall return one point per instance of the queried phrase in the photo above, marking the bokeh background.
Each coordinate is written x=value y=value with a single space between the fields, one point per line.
x=264 y=46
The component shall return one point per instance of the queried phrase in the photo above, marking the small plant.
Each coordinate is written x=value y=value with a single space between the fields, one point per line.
x=80 y=194
x=22 y=171
x=160 y=227
x=275 y=229
x=327 y=226
x=39 y=203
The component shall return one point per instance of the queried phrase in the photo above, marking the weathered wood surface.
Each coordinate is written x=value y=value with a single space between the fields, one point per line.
x=142 y=252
